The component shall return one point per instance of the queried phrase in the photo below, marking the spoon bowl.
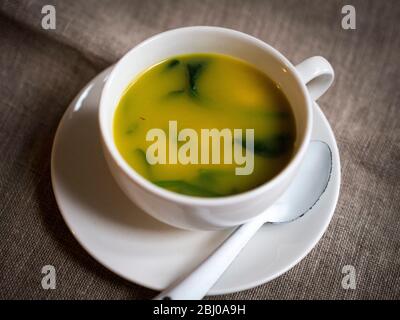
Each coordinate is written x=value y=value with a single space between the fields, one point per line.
x=306 y=189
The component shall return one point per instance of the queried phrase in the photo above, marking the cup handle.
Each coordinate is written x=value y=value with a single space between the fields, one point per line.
x=317 y=74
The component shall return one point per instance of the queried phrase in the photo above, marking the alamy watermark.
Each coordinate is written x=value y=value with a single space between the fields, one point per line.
x=230 y=141
x=349 y=19
x=49 y=18
x=49 y=278
x=349 y=280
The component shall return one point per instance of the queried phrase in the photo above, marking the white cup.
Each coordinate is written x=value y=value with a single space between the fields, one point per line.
x=301 y=84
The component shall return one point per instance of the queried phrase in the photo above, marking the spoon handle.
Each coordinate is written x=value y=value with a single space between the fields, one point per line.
x=196 y=285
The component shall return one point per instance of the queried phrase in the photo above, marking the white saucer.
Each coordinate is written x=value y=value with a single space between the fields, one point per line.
x=142 y=250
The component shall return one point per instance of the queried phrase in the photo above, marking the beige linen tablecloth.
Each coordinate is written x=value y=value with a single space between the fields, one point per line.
x=42 y=70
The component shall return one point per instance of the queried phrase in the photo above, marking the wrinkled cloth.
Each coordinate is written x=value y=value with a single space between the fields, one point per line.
x=41 y=71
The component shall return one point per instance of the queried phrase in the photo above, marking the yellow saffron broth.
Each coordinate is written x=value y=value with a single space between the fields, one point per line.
x=205 y=91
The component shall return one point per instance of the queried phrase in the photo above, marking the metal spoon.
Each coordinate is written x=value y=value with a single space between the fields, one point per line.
x=302 y=194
